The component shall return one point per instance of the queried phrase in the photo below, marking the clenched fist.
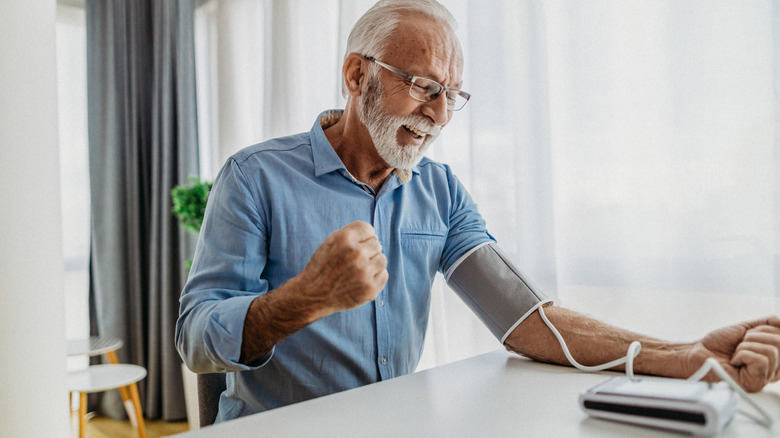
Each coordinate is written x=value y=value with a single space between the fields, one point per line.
x=346 y=271
x=749 y=352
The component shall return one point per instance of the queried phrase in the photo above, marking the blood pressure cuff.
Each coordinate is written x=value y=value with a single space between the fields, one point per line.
x=494 y=289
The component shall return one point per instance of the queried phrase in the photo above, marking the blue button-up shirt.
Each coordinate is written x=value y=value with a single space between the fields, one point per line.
x=271 y=206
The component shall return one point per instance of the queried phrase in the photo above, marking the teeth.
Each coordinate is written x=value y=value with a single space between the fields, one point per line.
x=415 y=130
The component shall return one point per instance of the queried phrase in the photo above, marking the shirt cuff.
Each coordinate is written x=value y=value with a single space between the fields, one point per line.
x=225 y=334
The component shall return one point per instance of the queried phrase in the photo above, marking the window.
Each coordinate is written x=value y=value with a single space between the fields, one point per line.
x=74 y=164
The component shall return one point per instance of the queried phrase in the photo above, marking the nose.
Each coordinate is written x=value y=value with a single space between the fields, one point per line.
x=437 y=110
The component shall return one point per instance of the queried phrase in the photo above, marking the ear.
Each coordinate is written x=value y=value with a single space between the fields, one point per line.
x=354 y=73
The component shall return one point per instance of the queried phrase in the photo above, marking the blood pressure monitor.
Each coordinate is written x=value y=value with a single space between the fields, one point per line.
x=694 y=407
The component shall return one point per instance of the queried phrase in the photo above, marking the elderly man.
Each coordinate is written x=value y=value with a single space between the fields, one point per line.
x=313 y=270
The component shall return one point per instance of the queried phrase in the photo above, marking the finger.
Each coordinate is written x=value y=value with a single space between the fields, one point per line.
x=363 y=230
x=370 y=240
x=752 y=368
x=365 y=253
x=768 y=329
x=378 y=263
x=769 y=351
x=768 y=336
x=772 y=321
x=374 y=244
x=757 y=335
x=381 y=278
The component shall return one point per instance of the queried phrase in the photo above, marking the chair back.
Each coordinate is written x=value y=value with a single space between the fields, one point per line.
x=210 y=387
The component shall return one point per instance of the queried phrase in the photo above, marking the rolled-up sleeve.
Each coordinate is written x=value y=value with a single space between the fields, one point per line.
x=225 y=276
x=467 y=228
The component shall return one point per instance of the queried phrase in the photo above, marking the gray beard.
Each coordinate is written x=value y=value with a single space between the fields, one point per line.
x=383 y=128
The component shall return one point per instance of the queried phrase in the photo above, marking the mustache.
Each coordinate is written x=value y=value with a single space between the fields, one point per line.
x=421 y=124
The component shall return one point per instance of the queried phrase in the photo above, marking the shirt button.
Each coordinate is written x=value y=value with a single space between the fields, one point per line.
x=383 y=360
x=381 y=303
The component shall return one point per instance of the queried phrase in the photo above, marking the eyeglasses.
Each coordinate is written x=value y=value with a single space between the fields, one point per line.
x=426 y=90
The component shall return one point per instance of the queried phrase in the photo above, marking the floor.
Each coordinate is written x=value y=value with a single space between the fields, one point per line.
x=102 y=427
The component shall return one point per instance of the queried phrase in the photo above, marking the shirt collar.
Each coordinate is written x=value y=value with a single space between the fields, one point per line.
x=325 y=158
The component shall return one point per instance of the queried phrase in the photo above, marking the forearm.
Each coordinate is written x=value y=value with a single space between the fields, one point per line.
x=593 y=343
x=274 y=316
x=221 y=330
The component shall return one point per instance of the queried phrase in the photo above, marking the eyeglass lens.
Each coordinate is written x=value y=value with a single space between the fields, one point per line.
x=427 y=90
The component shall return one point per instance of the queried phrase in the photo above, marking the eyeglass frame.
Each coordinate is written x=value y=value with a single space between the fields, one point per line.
x=411 y=79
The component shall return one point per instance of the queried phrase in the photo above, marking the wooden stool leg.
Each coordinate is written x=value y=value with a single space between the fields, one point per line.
x=138 y=413
x=111 y=356
x=128 y=402
x=82 y=414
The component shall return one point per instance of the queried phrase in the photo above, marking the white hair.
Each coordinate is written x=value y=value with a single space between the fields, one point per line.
x=372 y=31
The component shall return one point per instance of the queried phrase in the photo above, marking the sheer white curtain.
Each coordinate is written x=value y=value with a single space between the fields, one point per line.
x=71 y=35
x=611 y=145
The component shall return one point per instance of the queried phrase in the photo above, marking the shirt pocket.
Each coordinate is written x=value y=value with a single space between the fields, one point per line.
x=422 y=250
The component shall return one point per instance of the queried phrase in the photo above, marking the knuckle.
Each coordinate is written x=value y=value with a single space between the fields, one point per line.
x=339 y=237
x=358 y=257
x=364 y=252
x=359 y=226
x=349 y=252
x=364 y=279
x=753 y=386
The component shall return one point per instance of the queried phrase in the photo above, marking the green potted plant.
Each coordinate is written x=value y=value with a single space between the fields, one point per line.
x=189 y=204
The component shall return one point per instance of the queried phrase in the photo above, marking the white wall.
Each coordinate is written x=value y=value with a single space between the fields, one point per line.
x=32 y=330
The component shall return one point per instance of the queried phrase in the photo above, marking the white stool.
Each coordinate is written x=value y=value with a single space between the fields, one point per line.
x=99 y=378
x=103 y=345
x=95 y=346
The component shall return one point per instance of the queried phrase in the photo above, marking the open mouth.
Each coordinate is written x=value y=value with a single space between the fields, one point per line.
x=416 y=133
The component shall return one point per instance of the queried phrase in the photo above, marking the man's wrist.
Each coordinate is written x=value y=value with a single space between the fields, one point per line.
x=295 y=296
x=274 y=316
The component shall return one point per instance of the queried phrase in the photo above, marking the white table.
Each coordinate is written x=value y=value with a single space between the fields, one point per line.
x=500 y=394
x=497 y=394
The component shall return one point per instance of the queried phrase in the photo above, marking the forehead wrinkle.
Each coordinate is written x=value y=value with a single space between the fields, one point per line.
x=425 y=48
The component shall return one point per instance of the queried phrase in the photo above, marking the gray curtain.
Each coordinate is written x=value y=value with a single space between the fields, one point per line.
x=142 y=142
